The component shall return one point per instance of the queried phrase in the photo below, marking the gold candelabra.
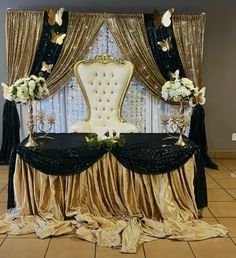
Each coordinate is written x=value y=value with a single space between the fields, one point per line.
x=45 y=122
x=178 y=121
x=31 y=140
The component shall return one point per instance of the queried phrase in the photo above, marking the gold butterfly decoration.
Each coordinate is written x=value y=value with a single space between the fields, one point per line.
x=46 y=67
x=55 y=17
x=165 y=44
x=57 y=38
x=163 y=19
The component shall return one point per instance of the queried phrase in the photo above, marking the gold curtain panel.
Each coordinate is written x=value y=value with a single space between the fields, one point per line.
x=23 y=31
x=189 y=33
x=81 y=33
x=107 y=204
x=130 y=35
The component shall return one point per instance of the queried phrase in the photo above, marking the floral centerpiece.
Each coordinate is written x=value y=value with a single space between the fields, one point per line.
x=26 y=90
x=107 y=140
x=182 y=90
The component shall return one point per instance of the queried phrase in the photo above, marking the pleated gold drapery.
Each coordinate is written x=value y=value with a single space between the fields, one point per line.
x=189 y=34
x=23 y=31
x=81 y=32
x=130 y=35
x=107 y=204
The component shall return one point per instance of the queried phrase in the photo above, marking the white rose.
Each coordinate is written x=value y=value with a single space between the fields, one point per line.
x=187 y=82
x=35 y=78
x=176 y=84
x=19 y=92
x=7 y=92
x=167 y=85
x=164 y=95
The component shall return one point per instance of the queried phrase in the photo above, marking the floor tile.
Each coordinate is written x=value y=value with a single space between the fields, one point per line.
x=3 y=196
x=226 y=183
x=218 y=195
x=24 y=248
x=3 y=183
x=164 y=248
x=232 y=192
x=221 y=166
x=211 y=221
x=206 y=213
x=1 y=241
x=219 y=174
x=4 y=167
x=229 y=163
x=223 y=209
x=106 y=252
x=230 y=223
x=212 y=184
x=3 y=174
x=215 y=248
x=3 y=207
x=34 y=236
x=70 y=248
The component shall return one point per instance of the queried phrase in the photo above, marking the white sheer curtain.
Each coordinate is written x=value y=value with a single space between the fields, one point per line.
x=69 y=106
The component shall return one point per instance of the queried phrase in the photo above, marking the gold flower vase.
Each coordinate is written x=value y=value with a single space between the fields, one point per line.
x=181 y=126
x=31 y=141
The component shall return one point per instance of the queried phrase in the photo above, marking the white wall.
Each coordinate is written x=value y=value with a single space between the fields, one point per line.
x=219 y=59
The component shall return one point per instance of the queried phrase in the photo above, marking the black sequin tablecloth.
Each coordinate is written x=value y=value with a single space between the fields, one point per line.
x=65 y=154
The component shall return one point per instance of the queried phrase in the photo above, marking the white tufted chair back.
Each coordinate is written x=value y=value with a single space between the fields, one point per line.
x=104 y=82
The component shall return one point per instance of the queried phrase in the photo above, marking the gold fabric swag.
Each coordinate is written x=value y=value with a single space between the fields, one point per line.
x=128 y=31
x=107 y=204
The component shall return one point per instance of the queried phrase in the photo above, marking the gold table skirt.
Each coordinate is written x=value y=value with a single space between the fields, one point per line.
x=107 y=204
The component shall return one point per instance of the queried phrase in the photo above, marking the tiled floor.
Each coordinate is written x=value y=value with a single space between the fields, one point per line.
x=221 y=209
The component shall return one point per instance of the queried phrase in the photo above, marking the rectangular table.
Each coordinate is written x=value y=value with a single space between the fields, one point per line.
x=63 y=186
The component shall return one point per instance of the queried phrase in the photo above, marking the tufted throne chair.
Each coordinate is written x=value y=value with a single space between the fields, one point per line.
x=104 y=82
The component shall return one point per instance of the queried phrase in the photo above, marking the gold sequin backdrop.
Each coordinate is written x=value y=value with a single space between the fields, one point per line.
x=23 y=30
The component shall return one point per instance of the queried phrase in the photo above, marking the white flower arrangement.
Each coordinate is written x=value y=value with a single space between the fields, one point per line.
x=183 y=89
x=25 y=89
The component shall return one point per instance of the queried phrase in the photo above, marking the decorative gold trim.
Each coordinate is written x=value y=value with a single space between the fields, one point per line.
x=104 y=59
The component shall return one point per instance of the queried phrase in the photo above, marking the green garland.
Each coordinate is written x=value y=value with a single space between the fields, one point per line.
x=108 y=143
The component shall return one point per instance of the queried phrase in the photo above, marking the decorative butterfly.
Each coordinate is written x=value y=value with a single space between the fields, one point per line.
x=57 y=38
x=55 y=17
x=175 y=75
x=199 y=98
x=46 y=67
x=165 y=44
x=164 y=19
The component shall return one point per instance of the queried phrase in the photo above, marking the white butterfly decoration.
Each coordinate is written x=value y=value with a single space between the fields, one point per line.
x=164 y=19
x=165 y=44
x=46 y=67
x=175 y=75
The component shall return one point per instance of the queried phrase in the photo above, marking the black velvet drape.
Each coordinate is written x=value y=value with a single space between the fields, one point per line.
x=168 y=61
x=11 y=128
x=197 y=134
